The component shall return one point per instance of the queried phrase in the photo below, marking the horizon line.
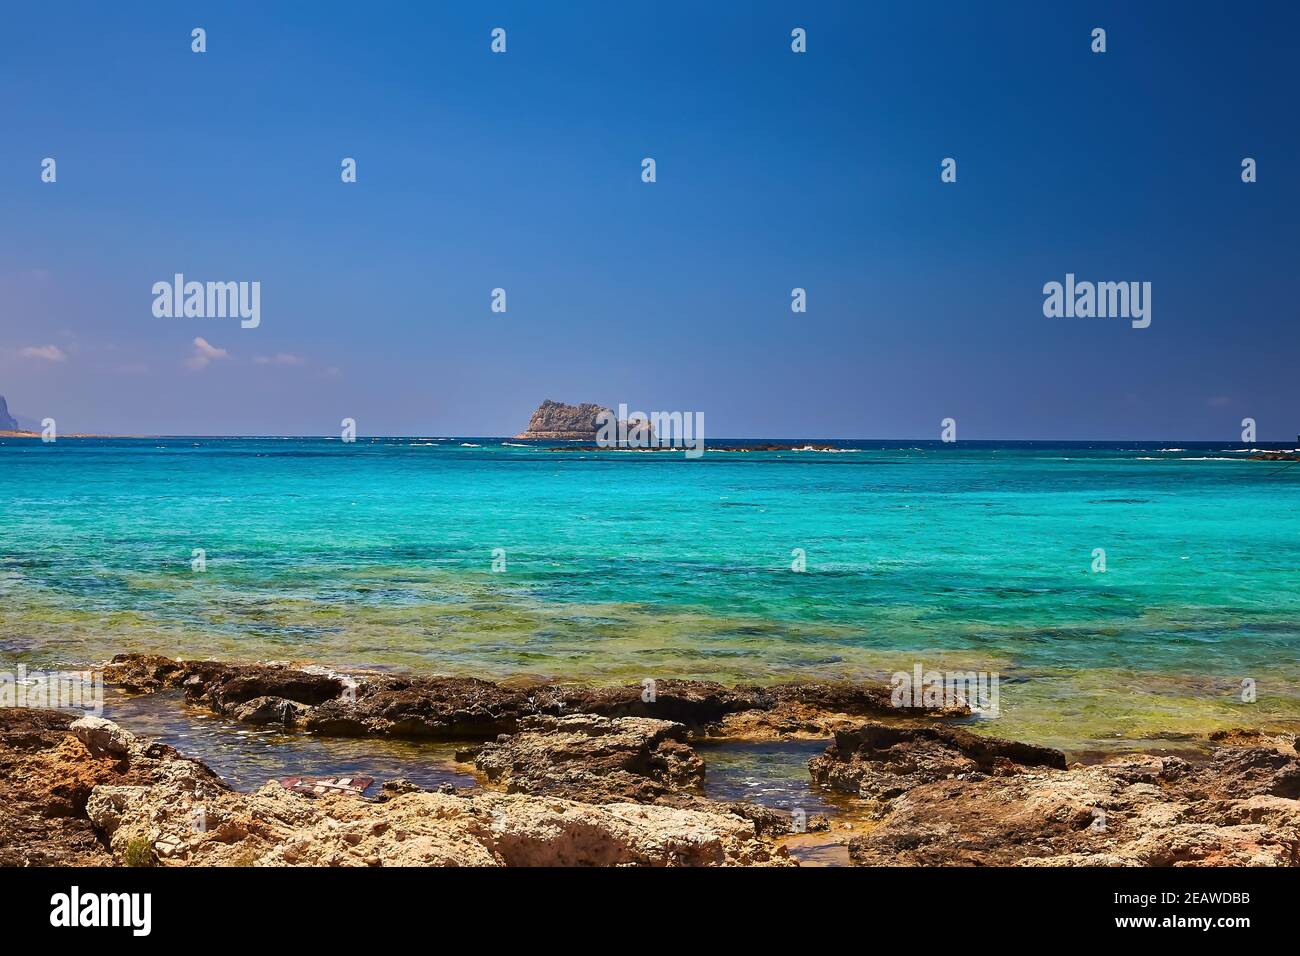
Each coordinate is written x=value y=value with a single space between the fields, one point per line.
x=22 y=433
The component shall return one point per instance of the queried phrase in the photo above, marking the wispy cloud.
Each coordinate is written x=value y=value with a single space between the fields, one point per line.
x=280 y=358
x=1219 y=401
x=47 y=353
x=204 y=352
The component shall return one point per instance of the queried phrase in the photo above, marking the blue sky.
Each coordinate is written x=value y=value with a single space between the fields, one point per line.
x=775 y=170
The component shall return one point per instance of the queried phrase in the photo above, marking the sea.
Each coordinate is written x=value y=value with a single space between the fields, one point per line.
x=1122 y=594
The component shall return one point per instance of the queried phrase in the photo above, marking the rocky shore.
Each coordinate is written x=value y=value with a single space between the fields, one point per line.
x=572 y=775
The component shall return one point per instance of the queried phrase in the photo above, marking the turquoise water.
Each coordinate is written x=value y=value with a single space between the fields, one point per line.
x=626 y=565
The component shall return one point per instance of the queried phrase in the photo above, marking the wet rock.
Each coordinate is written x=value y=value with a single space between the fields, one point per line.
x=881 y=761
x=448 y=708
x=693 y=703
x=223 y=687
x=461 y=708
x=119 y=800
x=270 y=710
x=144 y=673
x=226 y=686
x=594 y=759
x=818 y=709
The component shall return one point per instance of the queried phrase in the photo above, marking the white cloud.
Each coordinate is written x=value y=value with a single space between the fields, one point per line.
x=280 y=358
x=49 y=353
x=204 y=352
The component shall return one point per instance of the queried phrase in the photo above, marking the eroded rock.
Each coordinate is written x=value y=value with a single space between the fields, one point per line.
x=1140 y=810
x=462 y=708
x=881 y=761
x=447 y=708
x=48 y=774
x=228 y=688
x=594 y=759
x=277 y=827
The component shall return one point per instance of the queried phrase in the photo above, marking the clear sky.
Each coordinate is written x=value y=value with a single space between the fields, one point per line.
x=774 y=170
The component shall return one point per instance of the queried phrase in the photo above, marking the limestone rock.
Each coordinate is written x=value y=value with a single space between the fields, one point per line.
x=103 y=736
x=557 y=421
x=594 y=759
x=881 y=761
x=1139 y=810
x=48 y=776
x=276 y=827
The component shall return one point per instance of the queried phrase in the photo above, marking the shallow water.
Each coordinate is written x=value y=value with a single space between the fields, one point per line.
x=769 y=773
x=626 y=566
x=246 y=757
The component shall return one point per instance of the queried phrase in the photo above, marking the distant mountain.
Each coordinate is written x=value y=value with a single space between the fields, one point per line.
x=7 y=422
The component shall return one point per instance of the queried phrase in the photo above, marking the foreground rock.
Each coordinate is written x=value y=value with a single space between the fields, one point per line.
x=1236 y=808
x=879 y=762
x=51 y=764
x=596 y=790
x=88 y=792
x=462 y=708
x=594 y=759
x=276 y=827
